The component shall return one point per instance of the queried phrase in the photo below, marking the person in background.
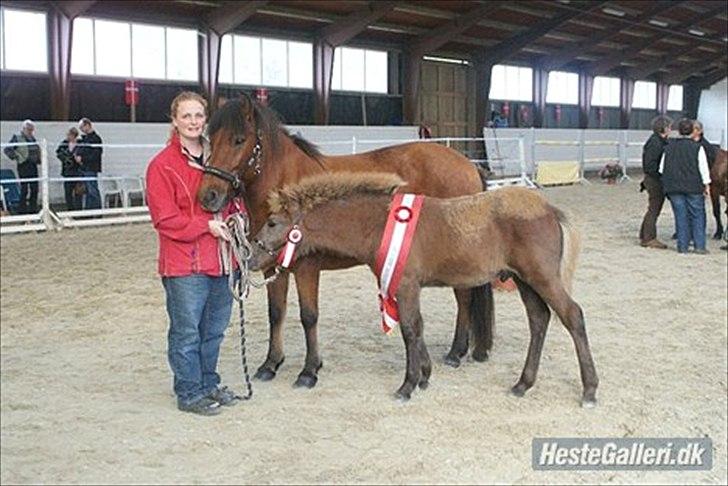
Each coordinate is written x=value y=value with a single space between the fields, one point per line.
x=88 y=155
x=199 y=300
x=651 y=155
x=685 y=180
x=66 y=153
x=27 y=156
x=711 y=151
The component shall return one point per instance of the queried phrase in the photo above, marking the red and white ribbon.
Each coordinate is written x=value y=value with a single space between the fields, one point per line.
x=393 y=252
x=288 y=253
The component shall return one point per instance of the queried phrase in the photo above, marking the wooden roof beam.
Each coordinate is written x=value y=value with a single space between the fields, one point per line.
x=684 y=72
x=348 y=27
x=567 y=54
x=231 y=14
x=455 y=27
x=73 y=9
x=710 y=79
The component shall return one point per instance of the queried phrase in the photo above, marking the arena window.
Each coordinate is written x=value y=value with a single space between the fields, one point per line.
x=563 y=88
x=675 y=98
x=359 y=70
x=605 y=91
x=645 y=95
x=511 y=83
x=268 y=62
x=25 y=32
x=122 y=49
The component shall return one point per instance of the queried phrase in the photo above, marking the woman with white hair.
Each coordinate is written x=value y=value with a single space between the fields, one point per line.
x=24 y=150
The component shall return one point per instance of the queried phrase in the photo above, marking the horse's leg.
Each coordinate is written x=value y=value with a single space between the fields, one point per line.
x=307 y=284
x=538 y=322
x=482 y=321
x=425 y=362
x=277 y=297
x=572 y=317
x=459 y=346
x=408 y=300
x=715 y=204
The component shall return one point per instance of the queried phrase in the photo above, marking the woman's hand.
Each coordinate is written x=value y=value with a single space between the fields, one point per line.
x=219 y=229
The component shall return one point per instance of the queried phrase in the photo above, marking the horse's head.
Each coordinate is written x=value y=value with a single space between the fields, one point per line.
x=272 y=237
x=236 y=151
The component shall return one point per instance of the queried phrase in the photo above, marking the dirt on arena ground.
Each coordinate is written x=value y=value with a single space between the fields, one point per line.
x=86 y=389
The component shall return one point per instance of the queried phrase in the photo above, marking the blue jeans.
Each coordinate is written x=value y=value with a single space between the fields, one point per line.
x=93 y=198
x=199 y=311
x=689 y=210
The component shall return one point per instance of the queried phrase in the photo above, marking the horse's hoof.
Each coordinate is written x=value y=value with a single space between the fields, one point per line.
x=451 y=360
x=424 y=384
x=402 y=396
x=589 y=403
x=264 y=374
x=480 y=356
x=717 y=235
x=306 y=381
x=519 y=390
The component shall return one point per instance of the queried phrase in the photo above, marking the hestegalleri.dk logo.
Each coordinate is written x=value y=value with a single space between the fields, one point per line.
x=636 y=454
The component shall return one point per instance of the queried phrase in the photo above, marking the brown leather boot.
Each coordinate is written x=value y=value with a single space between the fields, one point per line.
x=654 y=244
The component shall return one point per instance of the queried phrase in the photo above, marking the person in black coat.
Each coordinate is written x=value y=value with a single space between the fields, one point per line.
x=651 y=156
x=27 y=154
x=66 y=153
x=88 y=154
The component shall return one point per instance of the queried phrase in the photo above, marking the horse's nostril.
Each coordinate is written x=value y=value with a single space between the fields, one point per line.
x=210 y=197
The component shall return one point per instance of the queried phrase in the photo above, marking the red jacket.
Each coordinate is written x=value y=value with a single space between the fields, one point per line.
x=186 y=245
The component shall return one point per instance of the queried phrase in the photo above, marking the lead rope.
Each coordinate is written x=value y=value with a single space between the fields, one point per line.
x=237 y=250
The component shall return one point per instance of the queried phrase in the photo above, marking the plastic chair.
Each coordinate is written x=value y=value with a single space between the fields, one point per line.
x=109 y=187
x=10 y=191
x=133 y=186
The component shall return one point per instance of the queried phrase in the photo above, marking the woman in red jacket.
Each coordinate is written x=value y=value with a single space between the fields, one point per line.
x=198 y=298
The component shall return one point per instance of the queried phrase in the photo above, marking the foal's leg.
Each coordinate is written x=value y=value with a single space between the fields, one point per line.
x=425 y=362
x=277 y=299
x=408 y=299
x=307 y=284
x=572 y=317
x=538 y=322
x=459 y=346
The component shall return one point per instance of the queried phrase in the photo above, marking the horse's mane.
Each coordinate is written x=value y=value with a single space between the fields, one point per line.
x=315 y=190
x=230 y=117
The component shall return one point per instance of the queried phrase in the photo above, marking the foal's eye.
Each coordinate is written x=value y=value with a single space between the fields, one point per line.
x=271 y=224
x=239 y=140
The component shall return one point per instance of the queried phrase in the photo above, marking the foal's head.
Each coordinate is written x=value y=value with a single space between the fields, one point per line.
x=305 y=207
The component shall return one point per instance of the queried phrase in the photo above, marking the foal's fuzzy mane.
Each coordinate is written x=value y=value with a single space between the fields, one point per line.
x=315 y=190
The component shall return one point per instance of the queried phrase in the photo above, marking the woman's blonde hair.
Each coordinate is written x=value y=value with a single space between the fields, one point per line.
x=184 y=96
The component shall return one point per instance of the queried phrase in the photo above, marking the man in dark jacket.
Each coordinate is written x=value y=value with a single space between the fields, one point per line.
x=651 y=155
x=88 y=155
x=27 y=155
x=685 y=180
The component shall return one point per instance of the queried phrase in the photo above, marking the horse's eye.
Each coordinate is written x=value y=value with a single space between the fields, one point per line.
x=239 y=140
x=271 y=223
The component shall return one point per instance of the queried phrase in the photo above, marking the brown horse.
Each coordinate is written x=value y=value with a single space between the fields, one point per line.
x=719 y=187
x=459 y=242
x=251 y=150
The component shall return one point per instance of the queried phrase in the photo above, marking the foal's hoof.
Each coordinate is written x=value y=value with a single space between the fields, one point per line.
x=718 y=235
x=451 y=360
x=402 y=396
x=589 y=403
x=264 y=374
x=306 y=381
x=424 y=384
x=480 y=356
x=519 y=390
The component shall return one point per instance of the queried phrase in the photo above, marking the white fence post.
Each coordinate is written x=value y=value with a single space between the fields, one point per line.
x=353 y=144
x=45 y=214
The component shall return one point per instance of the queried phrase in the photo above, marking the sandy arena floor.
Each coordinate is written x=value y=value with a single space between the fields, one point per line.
x=86 y=390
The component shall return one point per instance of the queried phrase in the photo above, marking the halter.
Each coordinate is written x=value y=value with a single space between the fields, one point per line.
x=286 y=253
x=232 y=178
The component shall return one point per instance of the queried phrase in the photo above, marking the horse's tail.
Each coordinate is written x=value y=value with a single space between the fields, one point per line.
x=570 y=248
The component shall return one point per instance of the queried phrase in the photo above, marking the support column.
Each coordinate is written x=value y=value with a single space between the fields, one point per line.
x=586 y=88
x=691 y=100
x=626 y=95
x=323 y=66
x=60 y=35
x=209 y=65
x=411 y=94
x=540 y=85
x=483 y=70
x=663 y=89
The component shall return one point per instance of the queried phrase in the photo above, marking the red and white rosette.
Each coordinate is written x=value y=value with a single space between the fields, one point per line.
x=393 y=252
x=288 y=254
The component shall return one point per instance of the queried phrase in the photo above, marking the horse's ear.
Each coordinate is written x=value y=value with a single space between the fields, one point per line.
x=247 y=105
